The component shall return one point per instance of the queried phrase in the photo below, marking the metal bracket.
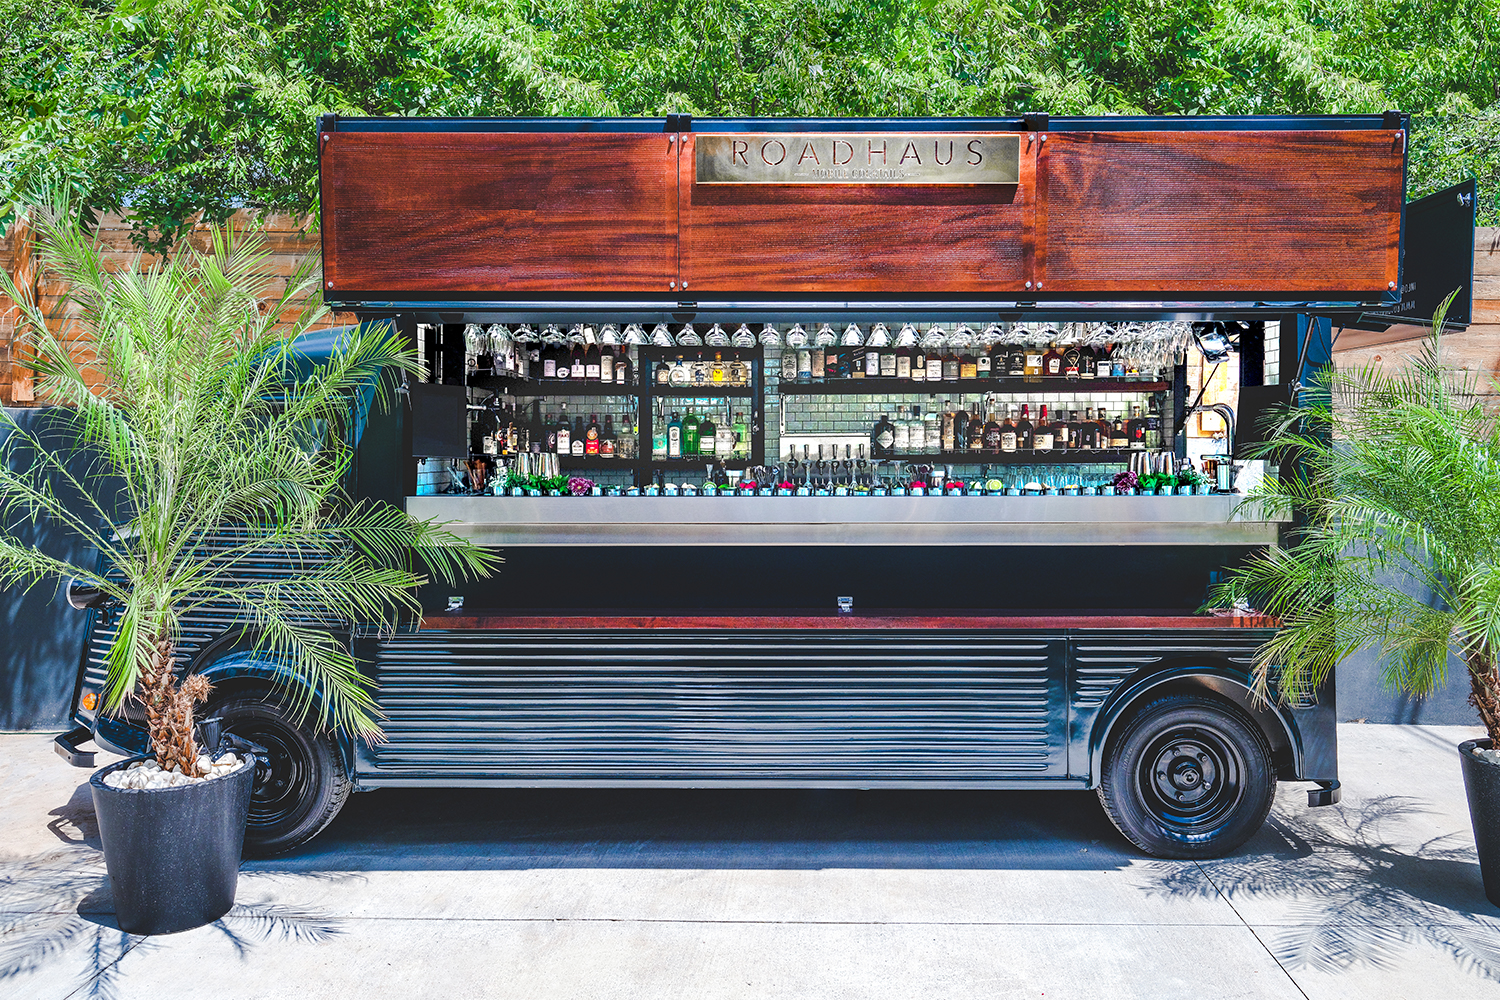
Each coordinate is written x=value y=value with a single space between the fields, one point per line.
x=1326 y=794
x=66 y=745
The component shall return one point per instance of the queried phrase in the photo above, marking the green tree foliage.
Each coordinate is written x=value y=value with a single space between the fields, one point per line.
x=169 y=108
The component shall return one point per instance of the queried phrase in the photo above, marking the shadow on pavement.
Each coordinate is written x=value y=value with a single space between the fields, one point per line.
x=56 y=910
x=1354 y=899
x=709 y=828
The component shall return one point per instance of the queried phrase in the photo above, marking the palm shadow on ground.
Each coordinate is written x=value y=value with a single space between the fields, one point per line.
x=56 y=909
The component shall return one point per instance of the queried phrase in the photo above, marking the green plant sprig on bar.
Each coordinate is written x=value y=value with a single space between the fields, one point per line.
x=1393 y=482
x=229 y=448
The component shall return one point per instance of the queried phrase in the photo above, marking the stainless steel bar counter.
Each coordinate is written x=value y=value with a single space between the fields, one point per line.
x=904 y=520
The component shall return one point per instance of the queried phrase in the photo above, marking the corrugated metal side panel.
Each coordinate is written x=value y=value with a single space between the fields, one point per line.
x=1101 y=662
x=759 y=706
x=199 y=628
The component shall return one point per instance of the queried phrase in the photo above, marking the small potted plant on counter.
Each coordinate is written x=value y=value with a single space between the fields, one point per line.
x=215 y=446
x=1397 y=478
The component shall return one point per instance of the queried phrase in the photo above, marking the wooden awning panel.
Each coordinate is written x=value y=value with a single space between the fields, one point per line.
x=1182 y=215
x=438 y=212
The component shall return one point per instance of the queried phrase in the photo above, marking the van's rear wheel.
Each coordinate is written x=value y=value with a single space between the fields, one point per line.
x=1188 y=777
x=302 y=786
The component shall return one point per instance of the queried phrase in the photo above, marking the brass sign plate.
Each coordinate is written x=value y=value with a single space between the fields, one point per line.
x=858 y=158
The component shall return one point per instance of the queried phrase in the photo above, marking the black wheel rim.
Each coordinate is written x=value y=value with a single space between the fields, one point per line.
x=283 y=782
x=1191 y=780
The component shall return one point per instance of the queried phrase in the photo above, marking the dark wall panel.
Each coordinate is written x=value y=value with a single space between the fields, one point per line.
x=41 y=637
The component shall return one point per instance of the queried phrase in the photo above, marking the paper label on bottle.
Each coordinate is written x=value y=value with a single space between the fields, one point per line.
x=1007 y=440
x=903 y=366
x=1043 y=441
x=885 y=438
x=606 y=369
x=1033 y=360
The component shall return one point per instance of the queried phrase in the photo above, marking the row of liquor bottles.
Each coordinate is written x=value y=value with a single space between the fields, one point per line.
x=506 y=432
x=954 y=431
x=917 y=364
x=612 y=364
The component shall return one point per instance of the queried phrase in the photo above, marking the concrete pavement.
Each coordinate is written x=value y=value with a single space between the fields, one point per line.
x=757 y=894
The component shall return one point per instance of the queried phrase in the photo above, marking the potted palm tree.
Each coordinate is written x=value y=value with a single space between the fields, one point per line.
x=225 y=448
x=1393 y=480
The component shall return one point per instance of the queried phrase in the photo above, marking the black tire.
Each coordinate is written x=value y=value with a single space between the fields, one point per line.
x=300 y=789
x=1188 y=777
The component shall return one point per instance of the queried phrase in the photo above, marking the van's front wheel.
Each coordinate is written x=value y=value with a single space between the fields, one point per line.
x=302 y=785
x=1188 y=777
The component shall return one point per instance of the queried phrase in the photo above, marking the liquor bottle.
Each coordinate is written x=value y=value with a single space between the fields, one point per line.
x=901 y=443
x=1084 y=434
x=1025 y=435
x=804 y=364
x=674 y=436
x=593 y=367
x=960 y=428
x=1153 y=424
x=1101 y=362
x=1015 y=362
x=1072 y=360
x=1061 y=432
x=591 y=435
x=1087 y=362
x=818 y=360
x=577 y=440
x=624 y=368
x=1052 y=362
x=919 y=364
x=701 y=369
x=537 y=433
x=577 y=365
x=1075 y=431
x=1033 y=369
x=1117 y=435
x=788 y=365
x=1000 y=437
x=968 y=365
x=852 y=363
x=1117 y=366
x=977 y=424
x=659 y=432
x=1045 y=435
x=609 y=443
x=984 y=362
x=888 y=363
x=724 y=438
x=872 y=361
x=948 y=431
x=950 y=367
x=690 y=434
x=741 y=437
x=716 y=372
x=932 y=429
x=883 y=437
x=1135 y=430
x=564 y=438
x=549 y=363
x=607 y=363
x=903 y=363
x=708 y=436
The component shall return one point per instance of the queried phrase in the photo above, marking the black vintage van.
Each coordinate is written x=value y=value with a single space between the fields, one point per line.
x=769 y=608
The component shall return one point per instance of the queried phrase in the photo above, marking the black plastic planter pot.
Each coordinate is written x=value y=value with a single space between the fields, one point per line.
x=173 y=854
x=1482 y=782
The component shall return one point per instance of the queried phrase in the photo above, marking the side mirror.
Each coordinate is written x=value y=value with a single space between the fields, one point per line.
x=83 y=595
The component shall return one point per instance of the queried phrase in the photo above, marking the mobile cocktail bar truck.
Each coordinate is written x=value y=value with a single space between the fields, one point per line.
x=828 y=533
